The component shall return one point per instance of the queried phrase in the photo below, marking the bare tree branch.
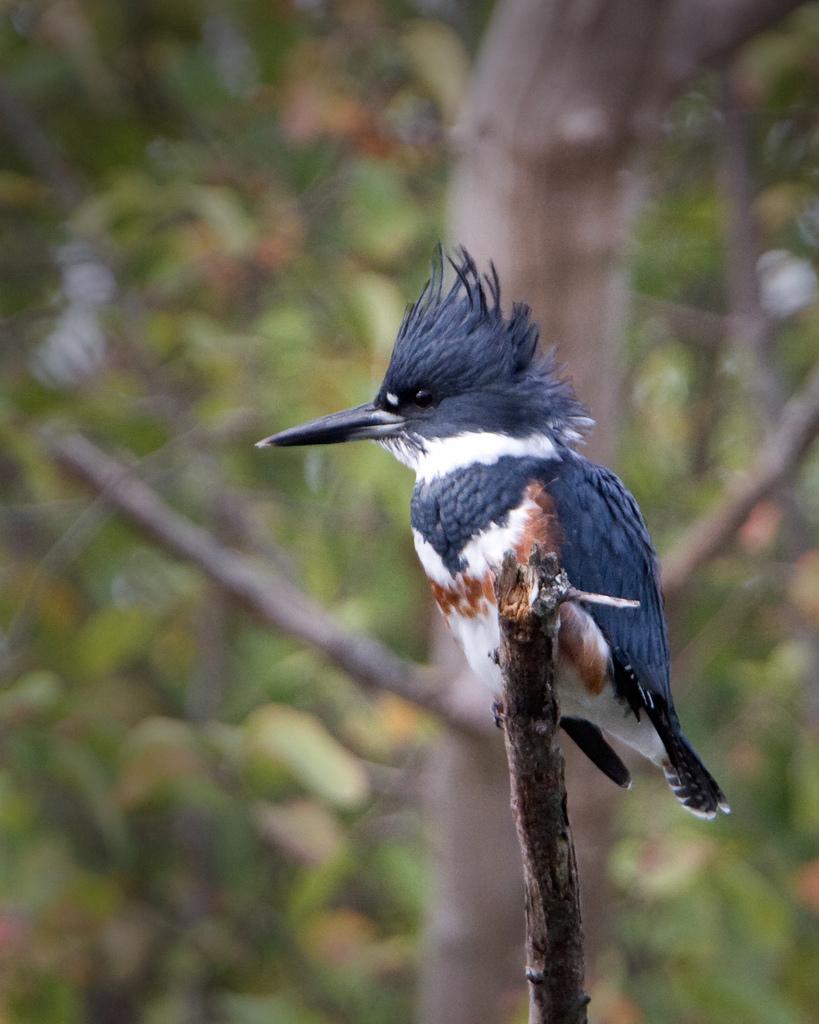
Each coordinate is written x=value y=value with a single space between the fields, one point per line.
x=779 y=458
x=275 y=600
x=554 y=938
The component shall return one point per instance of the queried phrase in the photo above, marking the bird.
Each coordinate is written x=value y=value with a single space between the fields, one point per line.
x=492 y=427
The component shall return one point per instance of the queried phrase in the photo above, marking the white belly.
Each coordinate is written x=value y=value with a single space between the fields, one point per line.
x=479 y=637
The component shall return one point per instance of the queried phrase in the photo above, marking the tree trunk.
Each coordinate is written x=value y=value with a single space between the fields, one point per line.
x=565 y=96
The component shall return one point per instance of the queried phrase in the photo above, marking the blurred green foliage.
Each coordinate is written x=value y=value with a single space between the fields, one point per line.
x=211 y=216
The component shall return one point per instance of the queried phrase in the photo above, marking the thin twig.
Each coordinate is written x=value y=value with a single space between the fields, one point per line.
x=572 y=594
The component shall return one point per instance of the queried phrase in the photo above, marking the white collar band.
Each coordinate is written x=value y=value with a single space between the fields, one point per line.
x=444 y=455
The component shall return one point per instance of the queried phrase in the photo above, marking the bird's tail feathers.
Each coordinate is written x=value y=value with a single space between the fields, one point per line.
x=690 y=781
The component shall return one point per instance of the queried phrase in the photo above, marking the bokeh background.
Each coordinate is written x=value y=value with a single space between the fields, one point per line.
x=211 y=217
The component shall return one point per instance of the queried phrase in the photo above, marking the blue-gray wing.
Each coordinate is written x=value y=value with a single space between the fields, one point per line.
x=606 y=549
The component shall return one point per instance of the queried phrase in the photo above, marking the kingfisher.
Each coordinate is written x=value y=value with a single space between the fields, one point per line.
x=491 y=427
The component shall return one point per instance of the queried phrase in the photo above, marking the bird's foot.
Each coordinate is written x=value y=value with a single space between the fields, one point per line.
x=498 y=713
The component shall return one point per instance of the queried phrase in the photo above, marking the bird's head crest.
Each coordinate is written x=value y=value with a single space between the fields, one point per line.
x=456 y=341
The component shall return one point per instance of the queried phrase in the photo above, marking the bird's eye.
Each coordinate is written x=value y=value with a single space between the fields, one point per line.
x=423 y=398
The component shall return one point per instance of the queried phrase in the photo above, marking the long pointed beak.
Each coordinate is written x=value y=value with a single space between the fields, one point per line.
x=365 y=422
